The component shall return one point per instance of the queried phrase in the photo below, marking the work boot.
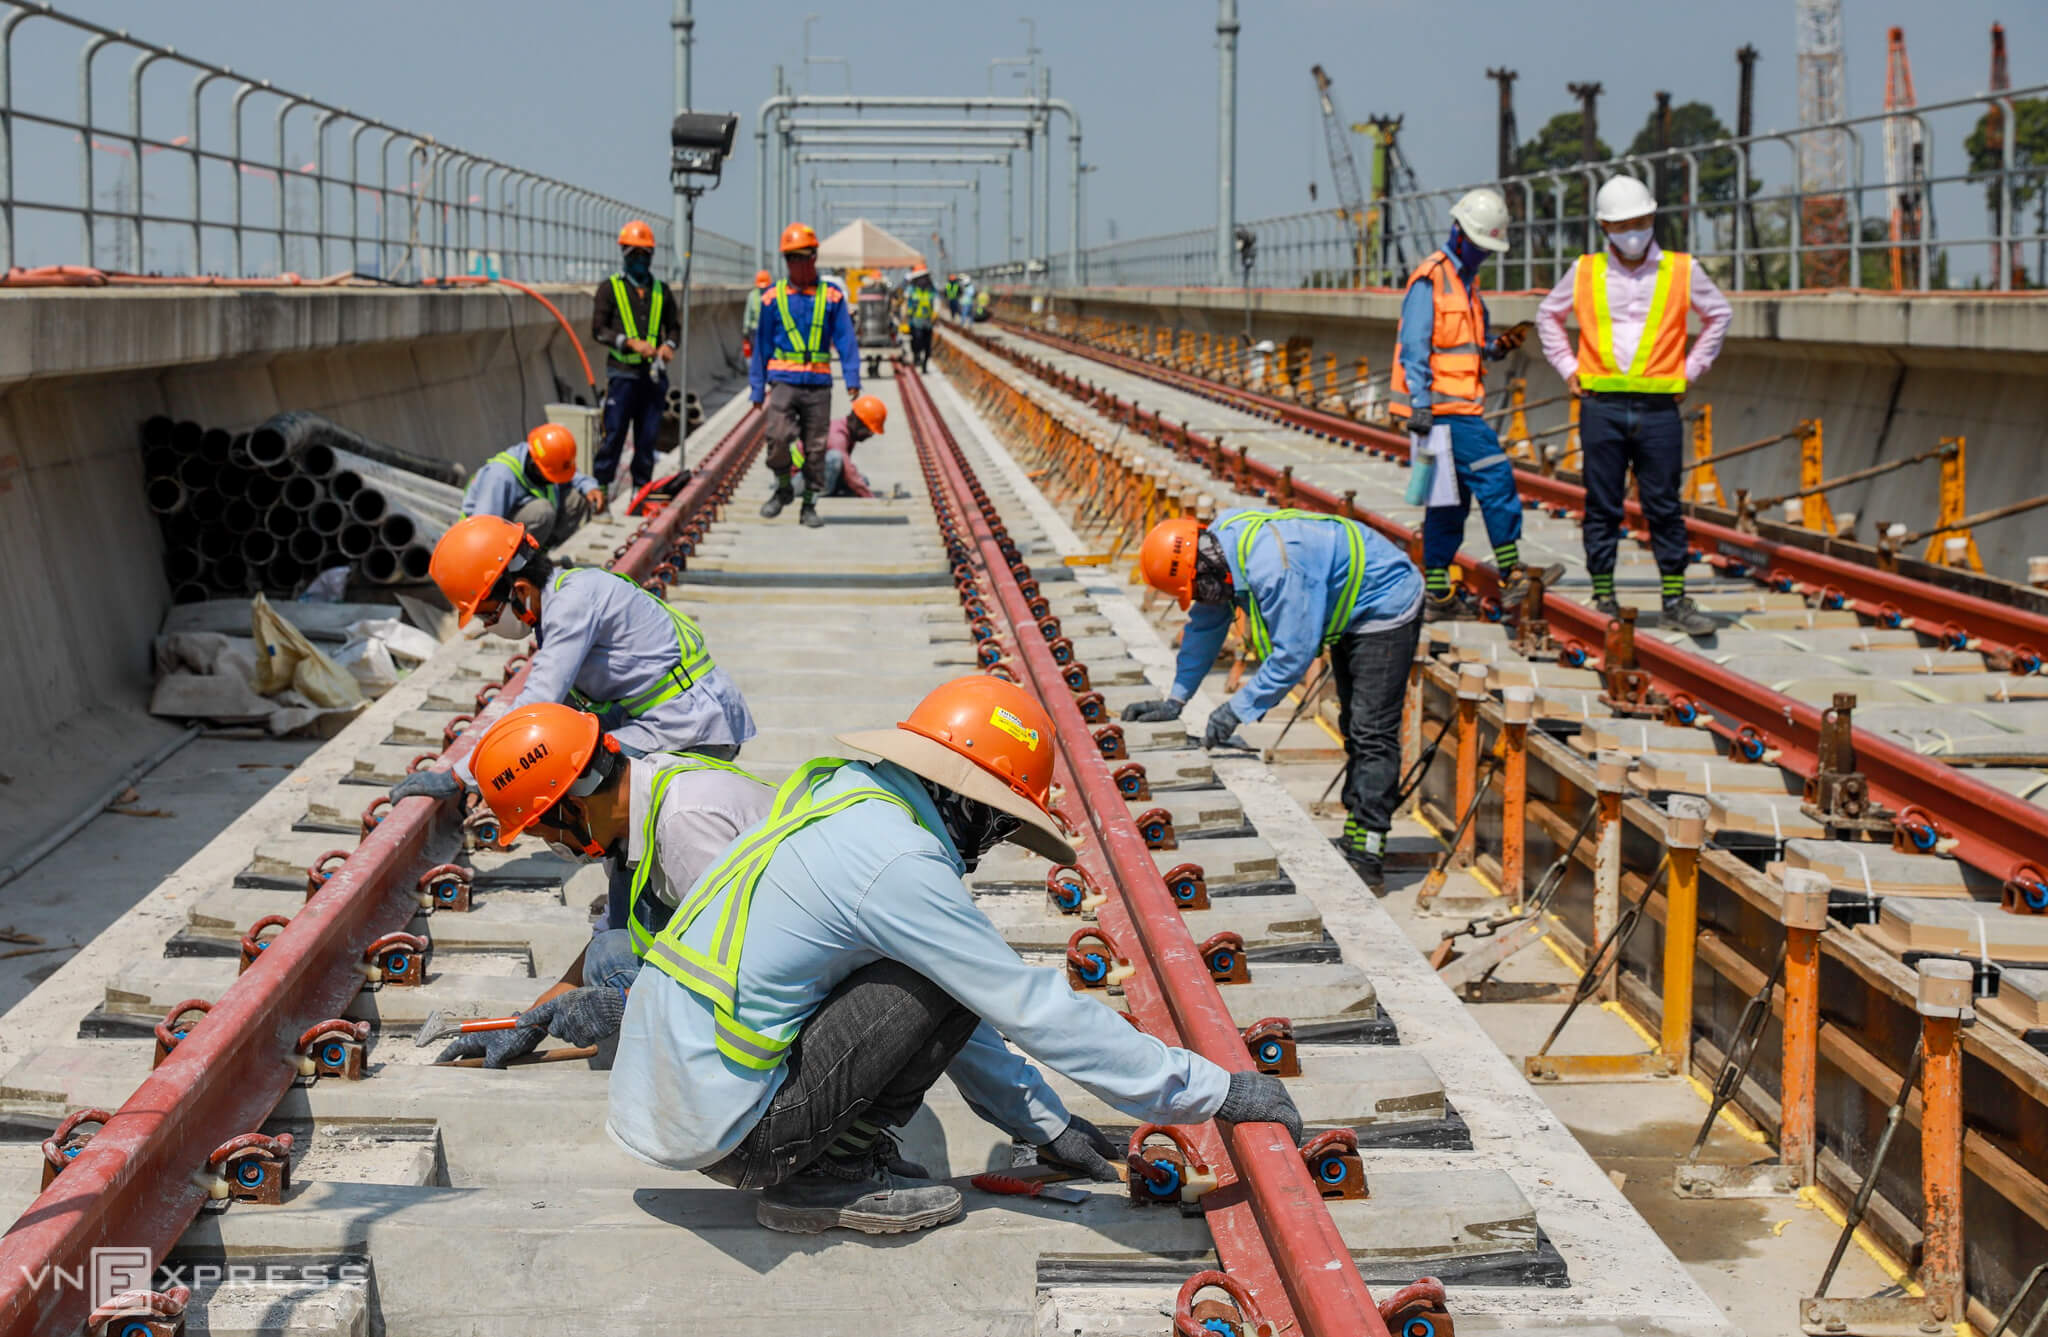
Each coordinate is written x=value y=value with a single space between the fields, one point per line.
x=862 y=1195
x=1515 y=587
x=773 y=506
x=809 y=516
x=1366 y=852
x=1608 y=607
x=1688 y=617
x=1453 y=606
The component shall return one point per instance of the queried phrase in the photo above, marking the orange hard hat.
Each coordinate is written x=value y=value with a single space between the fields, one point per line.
x=473 y=556
x=1166 y=559
x=799 y=237
x=871 y=411
x=637 y=234
x=919 y=269
x=553 y=448
x=531 y=760
x=763 y=279
x=987 y=740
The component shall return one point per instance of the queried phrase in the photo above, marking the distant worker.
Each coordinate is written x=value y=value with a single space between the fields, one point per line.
x=1438 y=381
x=982 y=298
x=832 y=965
x=550 y=771
x=635 y=319
x=750 y=318
x=953 y=295
x=535 y=483
x=968 y=292
x=1630 y=370
x=802 y=323
x=866 y=419
x=920 y=309
x=1307 y=583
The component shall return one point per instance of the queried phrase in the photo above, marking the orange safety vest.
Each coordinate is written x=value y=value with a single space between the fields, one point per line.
x=1456 y=341
x=1658 y=367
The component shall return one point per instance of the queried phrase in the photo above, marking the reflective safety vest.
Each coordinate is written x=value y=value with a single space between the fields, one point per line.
x=1247 y=526
x=981 y=302
x=1658 y=367
x=711 y=969
x=917 y=304
x=551 y=494
x=1457 y=338
x=647 y=916
x=803 y=354
x=626 y=355
x=693 y=659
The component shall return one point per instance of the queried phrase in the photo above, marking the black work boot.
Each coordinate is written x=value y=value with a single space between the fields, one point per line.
x=773 y=506
x=1454 y=605
x=859 y=1195
x=809 y=516
x=1608 y=607
x=1366 y=852
x=1514 y=588
x=1688 y=617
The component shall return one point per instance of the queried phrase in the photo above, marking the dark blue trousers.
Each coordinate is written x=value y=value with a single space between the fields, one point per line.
x=631 y=403
x=1620 y=432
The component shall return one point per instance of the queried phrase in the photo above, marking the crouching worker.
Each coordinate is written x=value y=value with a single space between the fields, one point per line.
x=814 y=984
x=535 y=484
x=867 y=419
x=549 y=770
x=1306 y=582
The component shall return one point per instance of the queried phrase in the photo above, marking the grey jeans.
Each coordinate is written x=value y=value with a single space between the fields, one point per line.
x=551 y=525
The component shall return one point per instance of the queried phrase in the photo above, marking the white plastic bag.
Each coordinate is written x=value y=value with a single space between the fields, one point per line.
x=402 y=640
x=369 y=663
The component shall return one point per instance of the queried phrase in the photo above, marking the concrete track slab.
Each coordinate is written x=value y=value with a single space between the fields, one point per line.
x=1029 y=923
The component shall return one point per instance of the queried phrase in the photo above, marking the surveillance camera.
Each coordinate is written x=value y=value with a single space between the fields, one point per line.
x=700 y=142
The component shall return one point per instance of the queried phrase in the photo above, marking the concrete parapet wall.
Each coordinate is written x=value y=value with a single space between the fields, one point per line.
x=1888 y=377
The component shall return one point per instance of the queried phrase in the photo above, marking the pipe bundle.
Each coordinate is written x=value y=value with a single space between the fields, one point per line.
x=271 y=508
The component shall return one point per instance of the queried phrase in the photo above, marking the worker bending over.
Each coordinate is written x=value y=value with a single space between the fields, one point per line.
x=802 y=322
x=666 y=816
x=920 y=309
x=1439 y=381
x=535 y=484
x=1306 y=583
x=750 y=318
x=634 y=319
x=1630 y=372
x=867 y=418
x=819 y=978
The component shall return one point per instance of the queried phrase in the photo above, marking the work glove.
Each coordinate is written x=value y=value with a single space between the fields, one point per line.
x=1421 y=419
x=436 y=785
x=582 y=1016
x=1256 y=1097
x=1223 y=722
x=1152 y=712
x=495 y=1048
x=1081 y=1146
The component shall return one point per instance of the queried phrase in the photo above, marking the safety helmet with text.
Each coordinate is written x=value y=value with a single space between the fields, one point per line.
x=1166 y=559
x=532 y=759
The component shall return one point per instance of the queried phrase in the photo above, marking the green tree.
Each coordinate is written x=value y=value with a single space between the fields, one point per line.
x=1558 y=146
x=1693 y=123
x=2029 y=159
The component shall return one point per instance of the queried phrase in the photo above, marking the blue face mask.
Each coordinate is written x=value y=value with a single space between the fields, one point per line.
x=1468 y=253
x=639 y=266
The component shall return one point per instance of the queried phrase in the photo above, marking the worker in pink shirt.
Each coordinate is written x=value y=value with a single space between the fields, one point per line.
x=842 y=479
x=1630 y=369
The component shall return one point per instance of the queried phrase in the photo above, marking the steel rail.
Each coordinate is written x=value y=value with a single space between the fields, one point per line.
x=2003 y=836
x=1892 y=598
x=136 y=1184
x=1295 y=1236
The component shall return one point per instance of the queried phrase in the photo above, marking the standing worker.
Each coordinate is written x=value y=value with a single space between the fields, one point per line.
x=802 y=322
x=635 y=319
x=953 y=295
x=526 y=483
x=1439 y=380
x=920 y=309
x=1307 y=582
x=780 y=1053
x=1630 y=371
x=750 y=319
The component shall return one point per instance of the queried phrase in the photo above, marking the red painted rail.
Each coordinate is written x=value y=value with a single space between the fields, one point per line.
x=134 y=1184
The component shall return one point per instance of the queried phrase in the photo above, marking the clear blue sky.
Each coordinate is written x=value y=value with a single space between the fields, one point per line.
x=583 y=90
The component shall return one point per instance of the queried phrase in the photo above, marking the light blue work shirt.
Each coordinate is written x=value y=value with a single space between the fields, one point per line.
x=1418 y=321
x=494 y=491
x=864 y=885
x=610 y=640
x=1297 y=568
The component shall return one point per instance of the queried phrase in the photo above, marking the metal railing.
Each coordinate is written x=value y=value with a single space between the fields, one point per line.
x=195 y=180
x=1802 y=235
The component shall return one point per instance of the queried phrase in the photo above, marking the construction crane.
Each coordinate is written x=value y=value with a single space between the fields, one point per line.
x=1344 y=171
x=1905 y=161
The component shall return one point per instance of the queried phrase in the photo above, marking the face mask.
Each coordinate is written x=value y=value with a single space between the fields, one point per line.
x=507 y=624
x=803 y=270
x=567 y=853
x=640 y=266
x=1631 y=243
x=1467 y=252
x=975 y=827
x=1212 y=575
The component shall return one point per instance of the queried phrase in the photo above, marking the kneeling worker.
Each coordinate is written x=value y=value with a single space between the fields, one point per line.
x=1306 y=582
x=548 y=769
x=526 y=484
x=819 y=978
x=842 y=479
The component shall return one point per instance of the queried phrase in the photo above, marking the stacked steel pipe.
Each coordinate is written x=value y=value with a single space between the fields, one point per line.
x=271 y=508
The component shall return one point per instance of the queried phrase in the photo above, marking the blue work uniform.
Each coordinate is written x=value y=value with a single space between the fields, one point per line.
x=500 y=489
x=779 y=360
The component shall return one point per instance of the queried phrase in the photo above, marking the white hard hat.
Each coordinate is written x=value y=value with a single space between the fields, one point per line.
x=1483 y=215
x=1623 y=198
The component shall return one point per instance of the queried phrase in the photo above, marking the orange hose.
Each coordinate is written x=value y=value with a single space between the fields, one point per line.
x=589 y=376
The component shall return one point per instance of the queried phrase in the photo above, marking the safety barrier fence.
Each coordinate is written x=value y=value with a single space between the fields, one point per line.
x=141 y=1179
x=187 y=178
x=1893 y=1047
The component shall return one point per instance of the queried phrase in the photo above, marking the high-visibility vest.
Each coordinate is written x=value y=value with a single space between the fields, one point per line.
x=693 y=658
x=804 y=354
x=1247 y=526
x=648 y=915
x=551 y=494
x=1658 y=367
x=752 y=316
x=1457 y=338
x=625 y=355
x=918 y=306
x=712 y=971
